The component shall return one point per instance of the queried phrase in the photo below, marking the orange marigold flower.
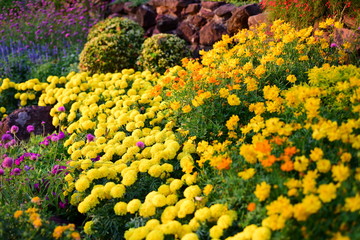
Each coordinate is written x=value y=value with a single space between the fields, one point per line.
x=269 y=161
x=224 y=164
x=287 y=166
x=251 y=207
x=290 y=151
x=263 y=147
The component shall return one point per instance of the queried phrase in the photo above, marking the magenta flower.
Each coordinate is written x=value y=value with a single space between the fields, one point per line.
x=61 y=109
x=6 y=137
x=8 y=162
x=2 y=172
x=90 y=137
x=30 y=128
x=140 y=144
x=57 y=169
x=14 y=129
x=15 y=171
x=333 y=45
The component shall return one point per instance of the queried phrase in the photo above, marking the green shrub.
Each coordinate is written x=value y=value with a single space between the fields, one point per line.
x=114 y=26
x=162 y=51
x=110 y=53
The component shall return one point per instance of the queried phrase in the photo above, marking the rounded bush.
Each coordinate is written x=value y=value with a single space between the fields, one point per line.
x=162 y=51
x=112 y=52
x=117 y=25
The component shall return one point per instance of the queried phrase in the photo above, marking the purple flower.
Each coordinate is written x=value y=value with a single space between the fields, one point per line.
x=30 y=128
x=8 y=162
x=140 y=144
x=6 y=137
x=27 y=168
x=55 y=138
x=333 y=45
x=67 y=35
x=43 y=122
x=63 y=204
x=90 y=137
x=45 y=142
x=2 y=172
x=61 y=109
x=15 y=171
x=61 y=135
x=57 y=169
x=14 y=129
x=96 y=159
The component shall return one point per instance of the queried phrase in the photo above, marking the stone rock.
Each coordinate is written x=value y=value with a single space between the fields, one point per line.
x=211 y=5
x=117 y=8
x=145 y=16
x=258 y=19
x=166 y=22
x=172 y=3
x=239 y=18
x=197 y=21
x=350 y=22
x=343 y=35
x=211 y=33
x=224 y=11
x=129 y=7
x=31 y=115
x=185 y=31
x=192 y=8
x=206 y=13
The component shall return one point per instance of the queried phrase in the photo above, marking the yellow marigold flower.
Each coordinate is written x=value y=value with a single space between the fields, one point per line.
x=203 y=214
x=175 y=105
x=129 y=178
x=339 y=236
x=247 y=174
x=37 y=222
x=171 y=199
x=186 y=108
x=345 y=157
x=120 y=208
x=18 y=213
x=301 y=163
x=271 y=92
x=82 y=184
x=207 y=189
x=249 y=153
x=340 y=172
x=186 y=207
x=327 y=192
x=280 y=61
x=117 y=191
x=323 y=165
x=232 y=123
x=312 y=203
x=291 y=78
x=352 y=204
x=158 y=200
x=262 y=191
x=133 y=206
x=316 y=154
x=192 y=191
x=155 y=234
x=217 y=210
x=87 y=227
x=147 y=209
x=261 y=233
x=249 y=231
x=224 y=93
x=175 y=185
x=260 y=70
x=233 y=100
x=190 y=236
x=216 y=232
x=75 y=235
x=84 y=207
x=225 y=221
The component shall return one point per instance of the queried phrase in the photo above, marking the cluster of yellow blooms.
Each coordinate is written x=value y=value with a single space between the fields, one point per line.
x=120 y=132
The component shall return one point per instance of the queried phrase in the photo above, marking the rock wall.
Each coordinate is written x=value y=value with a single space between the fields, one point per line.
x=199 y=23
